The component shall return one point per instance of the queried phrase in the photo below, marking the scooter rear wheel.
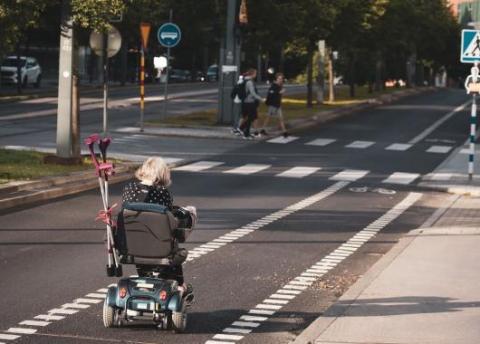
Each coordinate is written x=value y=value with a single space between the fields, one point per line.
x=179 y=320
x=108 y=315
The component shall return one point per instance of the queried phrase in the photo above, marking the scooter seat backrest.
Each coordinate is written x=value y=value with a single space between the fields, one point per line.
x=148 y=230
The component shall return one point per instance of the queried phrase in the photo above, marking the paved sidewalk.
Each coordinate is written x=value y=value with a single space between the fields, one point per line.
x=425 y=290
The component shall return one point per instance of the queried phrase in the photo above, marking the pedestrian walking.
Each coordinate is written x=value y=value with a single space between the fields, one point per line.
x=274 y=103
x=238 y=95
x=250 y=104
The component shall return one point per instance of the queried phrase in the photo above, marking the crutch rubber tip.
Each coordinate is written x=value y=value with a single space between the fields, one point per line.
x=119 y=271
x=110 y=271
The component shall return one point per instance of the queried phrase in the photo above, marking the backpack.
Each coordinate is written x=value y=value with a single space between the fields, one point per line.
x=240 y=91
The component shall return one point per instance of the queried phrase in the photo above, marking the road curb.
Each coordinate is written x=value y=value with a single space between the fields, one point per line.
x=338 y=309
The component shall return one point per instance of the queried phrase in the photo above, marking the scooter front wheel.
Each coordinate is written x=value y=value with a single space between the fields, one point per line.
x=179 y=320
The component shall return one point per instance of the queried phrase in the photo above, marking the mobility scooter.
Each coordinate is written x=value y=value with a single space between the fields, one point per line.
x=147 y=235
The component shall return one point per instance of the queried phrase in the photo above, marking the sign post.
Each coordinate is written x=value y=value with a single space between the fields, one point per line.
x=106 y=44
x=168 y=35
x=145 y=32
x=470 y=53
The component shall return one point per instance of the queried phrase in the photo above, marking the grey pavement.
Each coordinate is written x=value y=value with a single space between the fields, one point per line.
x=425 y=290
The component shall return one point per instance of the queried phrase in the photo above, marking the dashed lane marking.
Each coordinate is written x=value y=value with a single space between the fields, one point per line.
x=267 y=308
x=34 y=323
x=4 y=336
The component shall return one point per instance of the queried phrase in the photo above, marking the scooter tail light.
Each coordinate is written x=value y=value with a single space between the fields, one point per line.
x=123 y=292
x=163 y=295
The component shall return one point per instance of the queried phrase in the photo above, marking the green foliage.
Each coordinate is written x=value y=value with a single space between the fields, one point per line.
x=11 y=28
x=96 y=14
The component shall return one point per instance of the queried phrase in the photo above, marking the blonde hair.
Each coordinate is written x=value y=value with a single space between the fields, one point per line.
x=154 y=170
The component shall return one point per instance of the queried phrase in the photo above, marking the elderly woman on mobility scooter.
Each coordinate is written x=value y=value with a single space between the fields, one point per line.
x=153 y=178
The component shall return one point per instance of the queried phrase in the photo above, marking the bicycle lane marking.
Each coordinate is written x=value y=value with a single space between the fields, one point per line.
x=280 y=298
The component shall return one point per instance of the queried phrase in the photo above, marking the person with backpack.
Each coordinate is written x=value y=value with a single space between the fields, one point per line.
x=250 y=103
x=274 y=103
x=238 y=95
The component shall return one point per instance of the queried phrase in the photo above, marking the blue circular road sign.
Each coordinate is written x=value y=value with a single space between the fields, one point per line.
x=169 y=35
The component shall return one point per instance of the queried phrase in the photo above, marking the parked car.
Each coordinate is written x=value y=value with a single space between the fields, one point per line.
x=212 y=73
x=179 y=75
x=30 y=71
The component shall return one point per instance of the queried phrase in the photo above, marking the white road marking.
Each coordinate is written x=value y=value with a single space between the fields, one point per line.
x=199 y=166
x=385 y=219
x=102 y=290
x=34 y=323
x=275 y=301
x=401 y=178
x=298 y=172
x=49 y=317
x=237 y=330
x=75 y=305
x=94 y=301
x=5 y=336
x=439 y=149
x=281 y=139
x=245 y=324
x=438 y=123
x=96 y=295
x=292 y=292
x=248 y=169
x=360 y=144
x=349 y=175
x=320 y=142
x=399 y=146
x=441 y=176
x=63 y=311
x=253 y=318
x=261 y=311
x=20 y=330
x=216 y=342
x=282 y=296
x=227 y=337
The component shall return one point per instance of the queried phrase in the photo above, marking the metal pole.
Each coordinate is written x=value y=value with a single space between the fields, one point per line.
x=105 y=83
x=165 y=96
x=142 y=87
x=473 y=124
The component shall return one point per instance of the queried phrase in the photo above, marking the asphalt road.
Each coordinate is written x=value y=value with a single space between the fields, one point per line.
x=52 y=253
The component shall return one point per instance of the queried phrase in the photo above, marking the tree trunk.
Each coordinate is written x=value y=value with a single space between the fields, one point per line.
x=281 y=64
x=259 y=64
x=331 y=78
x=310 y=77
x=321 y=72
x=123 y=63
x=378 y=72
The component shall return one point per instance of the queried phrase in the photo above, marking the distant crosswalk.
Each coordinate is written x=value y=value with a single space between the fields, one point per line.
x=359 y=144
x=296 y=172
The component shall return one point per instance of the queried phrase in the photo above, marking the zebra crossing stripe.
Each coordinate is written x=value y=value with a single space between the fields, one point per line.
x=248 y=169
x=349 y=175
x=283 y=140
x=298 y=172
x=401 y=178
x=199 y=166
x=320 y=142
x=439 y=149
x=360 y=144
x=399 y=146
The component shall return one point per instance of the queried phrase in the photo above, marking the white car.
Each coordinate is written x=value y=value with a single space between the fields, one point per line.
x=30 y=72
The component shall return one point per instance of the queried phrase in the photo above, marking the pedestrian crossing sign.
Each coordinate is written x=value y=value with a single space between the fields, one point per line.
x=470 y=46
